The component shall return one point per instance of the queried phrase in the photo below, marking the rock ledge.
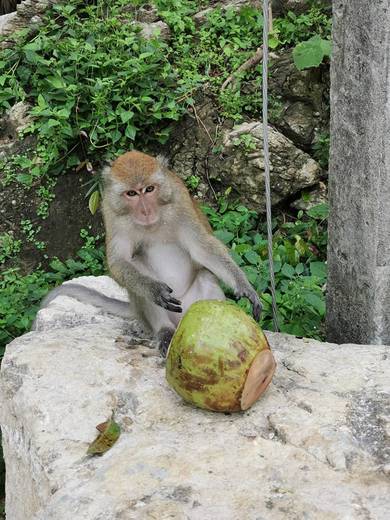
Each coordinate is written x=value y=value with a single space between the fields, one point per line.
x=315 y=446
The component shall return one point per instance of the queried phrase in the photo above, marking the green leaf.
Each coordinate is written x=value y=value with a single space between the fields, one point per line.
x=57 y=265
x=130 y=131
x=273 y=42
x=318 y=269
x=126 y=116
x=288 y=271
x=252 y=257
x=311 y=52
x=316 y=302
x=94 y=202
x=52 y=122
x=41 y=101
x=321 y=211
x=56 y=82
x=224 y=236
x=236 y=257
x=109 y=434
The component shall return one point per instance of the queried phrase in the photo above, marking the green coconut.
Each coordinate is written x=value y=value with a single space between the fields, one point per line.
x=219 y=358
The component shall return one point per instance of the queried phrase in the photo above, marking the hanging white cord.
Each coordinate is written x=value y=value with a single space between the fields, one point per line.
x=267 y=162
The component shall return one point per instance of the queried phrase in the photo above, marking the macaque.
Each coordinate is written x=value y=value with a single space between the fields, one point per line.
x=160 y=247
x=8 y=6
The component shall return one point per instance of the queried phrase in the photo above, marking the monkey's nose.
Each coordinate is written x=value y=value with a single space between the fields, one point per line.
x=145 y=211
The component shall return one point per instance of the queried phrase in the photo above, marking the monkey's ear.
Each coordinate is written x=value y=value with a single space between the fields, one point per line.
x=162 y=161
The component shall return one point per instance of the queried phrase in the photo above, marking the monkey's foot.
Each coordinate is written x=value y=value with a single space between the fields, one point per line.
x=164 y=337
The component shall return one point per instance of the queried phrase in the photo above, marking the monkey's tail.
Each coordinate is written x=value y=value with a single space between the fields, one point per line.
x=85 y=294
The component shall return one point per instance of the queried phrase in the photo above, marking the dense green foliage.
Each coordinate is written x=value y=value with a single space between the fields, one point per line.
x=98 y=88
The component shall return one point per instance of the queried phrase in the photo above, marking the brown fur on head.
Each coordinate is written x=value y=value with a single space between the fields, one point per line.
x=129 y=181
x=134 y=165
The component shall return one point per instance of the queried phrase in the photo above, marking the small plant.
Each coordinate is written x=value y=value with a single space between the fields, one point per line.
x=9 y=247
x=246 y=141
x=31 y=233
x=321 y=149
x=192 y=182
x=46 y=194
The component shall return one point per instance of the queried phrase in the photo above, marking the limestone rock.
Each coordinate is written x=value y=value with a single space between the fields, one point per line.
x=315 y=446
x=6 y=19
x=28 y=14
x=151 y=30
x=11 y=124
x=146 y=13
x=239 y=163
x=304 y=99
x=279 y=7
x=291 y=169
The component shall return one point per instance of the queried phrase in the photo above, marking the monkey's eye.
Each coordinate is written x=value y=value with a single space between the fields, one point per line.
x=149 y=189
x=131 y=193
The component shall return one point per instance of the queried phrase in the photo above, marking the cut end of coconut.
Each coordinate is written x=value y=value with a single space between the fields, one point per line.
x=259 y=377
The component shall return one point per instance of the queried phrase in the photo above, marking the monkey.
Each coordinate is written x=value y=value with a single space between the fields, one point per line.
x=160 y=248
x=8 y=6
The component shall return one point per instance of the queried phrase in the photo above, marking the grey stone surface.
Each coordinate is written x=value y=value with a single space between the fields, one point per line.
x=243 y=168
x=359 y=183
x=239 y=164
x=314 y=447
x=5 y=19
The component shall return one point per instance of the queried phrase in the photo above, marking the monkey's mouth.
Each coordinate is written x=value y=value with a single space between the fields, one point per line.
x=147 y=221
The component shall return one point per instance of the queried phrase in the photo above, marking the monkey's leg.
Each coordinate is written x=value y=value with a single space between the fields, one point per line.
x=164 y=337
x=161 y=323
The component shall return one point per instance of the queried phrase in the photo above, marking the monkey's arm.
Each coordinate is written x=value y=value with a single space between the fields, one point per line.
x=206 y=250
x=127 y=275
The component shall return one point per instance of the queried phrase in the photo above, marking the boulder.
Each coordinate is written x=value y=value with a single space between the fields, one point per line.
x=157 y=29
x=312 y=197
x=314 y=446
x=12 y=124
x=239 y=163
x=29 y=13
x=303 y=98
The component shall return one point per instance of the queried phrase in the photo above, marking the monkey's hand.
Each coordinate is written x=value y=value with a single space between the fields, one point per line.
x=161 y=295
x=253 y=297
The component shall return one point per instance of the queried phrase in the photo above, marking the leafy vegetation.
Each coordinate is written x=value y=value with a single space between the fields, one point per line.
x=321 y=149
x=299 y=250
x=97 y=87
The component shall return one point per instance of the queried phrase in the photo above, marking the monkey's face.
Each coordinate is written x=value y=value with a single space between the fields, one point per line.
x=142 y=202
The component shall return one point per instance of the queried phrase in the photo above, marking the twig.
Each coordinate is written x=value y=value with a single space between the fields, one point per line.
x=248 y=64
x=200 y=122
